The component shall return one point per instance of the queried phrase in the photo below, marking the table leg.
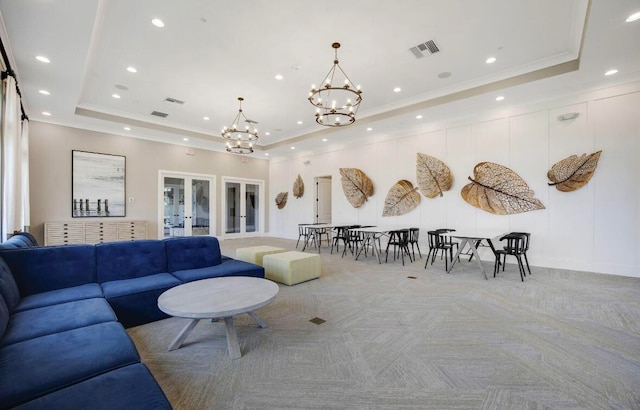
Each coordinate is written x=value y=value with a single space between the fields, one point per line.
x=232 y=339
x=474 y=249
x=183 y=334
x=258 y=319
x=375 y=248
x=463 y=243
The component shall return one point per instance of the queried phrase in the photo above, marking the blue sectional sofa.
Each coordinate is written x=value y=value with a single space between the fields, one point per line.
x=64 y=310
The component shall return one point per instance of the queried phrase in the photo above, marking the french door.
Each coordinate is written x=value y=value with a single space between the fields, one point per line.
x=186 y=204
x=243 y=203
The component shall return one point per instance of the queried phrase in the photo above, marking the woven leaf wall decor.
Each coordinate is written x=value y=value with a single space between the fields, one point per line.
x=401 y=198
x=281 y=199
x=433 y=175
x=573 y=172
x=298 y=187
x=499 y=190
x=357 y=187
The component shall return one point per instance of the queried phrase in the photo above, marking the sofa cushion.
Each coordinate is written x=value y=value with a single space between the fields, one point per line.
x=132 y=259
x=45 y=364
x=192 y=252
x=8 y=287
x=138 y=285
x=46 y=268
x=230 y=267
x=54 y=297
x=130 y=387
x=19 y=240
x=4 y=316
x=135 y=301
x=57 y=318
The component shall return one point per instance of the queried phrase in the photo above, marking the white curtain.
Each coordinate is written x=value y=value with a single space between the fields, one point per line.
x=26 y=204
x=12 y=189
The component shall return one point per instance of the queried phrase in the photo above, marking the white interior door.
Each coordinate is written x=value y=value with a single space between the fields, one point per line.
x=243 y=202
x=323 y=200
x=186 y=205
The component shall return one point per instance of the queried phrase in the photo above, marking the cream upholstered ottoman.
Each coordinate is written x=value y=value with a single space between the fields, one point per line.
x=292 y=267
x=254 y=254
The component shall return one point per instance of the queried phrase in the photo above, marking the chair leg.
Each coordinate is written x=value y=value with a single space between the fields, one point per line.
x=527 y=260
x=520 y=267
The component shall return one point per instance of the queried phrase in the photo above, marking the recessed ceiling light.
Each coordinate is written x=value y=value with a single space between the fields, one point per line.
x=369 y=129
x=44 y=92
x=293 y=147
x=47 y=113
x=132 y=69
x=500 y=98
x=43 y=59
x=127 y=128
x=397 y=90
x=324 y=140
x=116 y=96
x=205 y=118
x=633 y=17
x=266 y=154
x=418 y=117
x=185 y=139
x=279 y=77
x=611 y=72
x=444 y=74
x=490 y=60
x=267 y=133
x=157 y=22
x=299 y=122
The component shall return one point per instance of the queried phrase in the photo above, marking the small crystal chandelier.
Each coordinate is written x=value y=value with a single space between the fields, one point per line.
x=240 y=141
x=336 y=105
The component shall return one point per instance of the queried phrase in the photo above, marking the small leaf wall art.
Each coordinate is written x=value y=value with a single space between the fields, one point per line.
x=433 y=175
x=357 y=187
x=499 y=190
x=573 y=172
x=298 y=187
x=281 y=199
x=401 y=198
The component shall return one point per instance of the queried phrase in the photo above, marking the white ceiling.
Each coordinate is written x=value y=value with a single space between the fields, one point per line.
x=210 y=53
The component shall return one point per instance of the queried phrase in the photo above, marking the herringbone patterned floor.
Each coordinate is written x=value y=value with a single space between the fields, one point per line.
x=560 y=340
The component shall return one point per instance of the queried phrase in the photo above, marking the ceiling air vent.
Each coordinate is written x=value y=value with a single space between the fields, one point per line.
x=429 y=47
x=159 y=114
x=173 y=100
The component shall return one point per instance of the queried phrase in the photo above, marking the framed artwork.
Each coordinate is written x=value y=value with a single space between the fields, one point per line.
x=97 y=185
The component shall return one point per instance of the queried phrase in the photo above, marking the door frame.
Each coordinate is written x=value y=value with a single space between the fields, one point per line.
x=186 y=175
x=261 y=208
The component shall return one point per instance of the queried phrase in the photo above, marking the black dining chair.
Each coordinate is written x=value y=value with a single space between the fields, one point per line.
x=340 y=234
x=414 y=236
x=439 y=242
x=303 y=232
x=354 y=239
x=526 y=247
x=400 y=241
x=515 y=246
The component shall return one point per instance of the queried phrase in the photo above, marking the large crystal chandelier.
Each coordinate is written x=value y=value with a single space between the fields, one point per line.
x=240 y=139
x=337 y=99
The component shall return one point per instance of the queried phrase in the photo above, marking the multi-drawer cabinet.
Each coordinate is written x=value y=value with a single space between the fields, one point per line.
x=131 y=230
x=64 y=233
x=67 y=233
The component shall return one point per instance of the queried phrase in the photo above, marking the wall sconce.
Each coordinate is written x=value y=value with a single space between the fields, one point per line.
x=568 y=116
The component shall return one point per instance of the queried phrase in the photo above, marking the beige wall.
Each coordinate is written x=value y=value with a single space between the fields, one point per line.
x=50 y=172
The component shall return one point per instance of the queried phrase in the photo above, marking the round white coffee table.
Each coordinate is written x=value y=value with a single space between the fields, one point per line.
x=218 y=298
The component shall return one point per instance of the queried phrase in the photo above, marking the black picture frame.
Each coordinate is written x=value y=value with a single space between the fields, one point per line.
x=97 y=185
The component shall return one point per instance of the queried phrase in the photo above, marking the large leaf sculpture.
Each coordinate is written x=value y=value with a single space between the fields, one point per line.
x=573 y=172
x=401 y=198
x=298 y=187
x=356 y=185
x=499 y=190
x=433 y=175
x=281 y=199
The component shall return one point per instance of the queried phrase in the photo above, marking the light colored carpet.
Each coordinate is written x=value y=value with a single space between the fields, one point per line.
x=560 y=340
